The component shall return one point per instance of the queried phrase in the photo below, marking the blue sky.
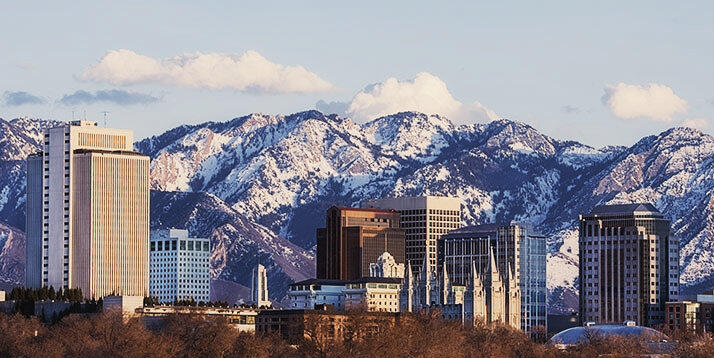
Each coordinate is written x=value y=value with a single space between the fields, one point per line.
x=603 y=73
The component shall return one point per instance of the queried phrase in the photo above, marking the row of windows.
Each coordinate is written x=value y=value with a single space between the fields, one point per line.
x=189 y=245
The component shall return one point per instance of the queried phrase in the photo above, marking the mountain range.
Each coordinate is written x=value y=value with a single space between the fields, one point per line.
x=258 y=186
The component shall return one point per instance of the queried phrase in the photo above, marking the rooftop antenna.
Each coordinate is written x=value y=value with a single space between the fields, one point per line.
x=105 y=117
x=73 y=114
x=85 y=114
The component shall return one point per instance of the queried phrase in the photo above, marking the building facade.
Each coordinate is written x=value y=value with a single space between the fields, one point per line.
x=369 y=294
x=259 y=287
x=240 y=319
x=488 y=296
x=88 y=212
x=629 y=265
x=425 y=219
x=516 y=247
x=353 y=238
x=180 y=266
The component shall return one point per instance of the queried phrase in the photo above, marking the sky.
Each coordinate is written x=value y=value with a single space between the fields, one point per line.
x=606 y=73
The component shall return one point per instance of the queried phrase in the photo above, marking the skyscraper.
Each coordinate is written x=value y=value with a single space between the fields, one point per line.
x=179 y=266
x=519 y=252
x=425 y=219
x=88 y=212
x=629 y=264
x=354 y=238
x=259 y=287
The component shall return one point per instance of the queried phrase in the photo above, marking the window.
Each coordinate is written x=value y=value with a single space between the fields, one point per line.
x=190 y=245
x=205 y=246
x=182 y=245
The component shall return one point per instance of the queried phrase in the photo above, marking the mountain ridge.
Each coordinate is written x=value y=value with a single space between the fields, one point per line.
x=282 y=172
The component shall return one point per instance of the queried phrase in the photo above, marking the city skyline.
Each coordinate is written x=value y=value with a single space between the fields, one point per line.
x=618 y=65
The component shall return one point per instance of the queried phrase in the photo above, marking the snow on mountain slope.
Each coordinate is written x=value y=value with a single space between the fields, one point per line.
x=284 y=171
x=238 y=244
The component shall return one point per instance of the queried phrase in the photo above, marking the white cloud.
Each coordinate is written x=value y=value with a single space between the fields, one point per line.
x=654 y=101
x=425 y=93
x=696 y=123
x=247 y=72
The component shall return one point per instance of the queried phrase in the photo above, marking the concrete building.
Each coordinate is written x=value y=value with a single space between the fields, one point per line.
x=180 y=266
x=386 y=266
x=371 y=294
x=629 y=265
x=311 y=293
x=127 y=305
x=241 y=319
x=259 y=287
x=353 y=238
x=516 y=247
x=323 y=326
x=425 y=219
x=88 y=212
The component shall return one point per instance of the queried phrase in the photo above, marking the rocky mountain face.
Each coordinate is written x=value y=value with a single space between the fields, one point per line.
x=260 y=184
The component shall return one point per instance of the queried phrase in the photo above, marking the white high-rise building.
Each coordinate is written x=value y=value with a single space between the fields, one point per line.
x=88 y=212
x=425 y=219
x=259 y=287
x=180 y=266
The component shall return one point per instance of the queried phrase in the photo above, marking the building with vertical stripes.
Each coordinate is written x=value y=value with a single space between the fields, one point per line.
x=353 y=238
x=88 y=212
x=424 y=219
x=629 y=265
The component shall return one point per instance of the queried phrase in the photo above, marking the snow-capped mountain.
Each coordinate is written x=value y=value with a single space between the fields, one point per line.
x=272 y=177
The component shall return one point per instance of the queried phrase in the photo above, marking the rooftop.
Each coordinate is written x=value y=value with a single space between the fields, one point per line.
x=374 y=210
x=575 y=335
x=624 y=209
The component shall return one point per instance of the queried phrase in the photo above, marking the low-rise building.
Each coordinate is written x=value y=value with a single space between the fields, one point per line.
x=373 y=294
x=322 y=326
x=127 y=305
x=314 y=292
x=242 y=319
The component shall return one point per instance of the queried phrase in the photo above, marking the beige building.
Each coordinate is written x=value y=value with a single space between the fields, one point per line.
x=88 y=212
x=425 y=219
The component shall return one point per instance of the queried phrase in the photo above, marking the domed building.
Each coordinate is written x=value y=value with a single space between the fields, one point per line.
x=576 y=335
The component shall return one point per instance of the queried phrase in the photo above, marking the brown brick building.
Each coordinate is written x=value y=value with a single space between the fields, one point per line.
x=353 y=238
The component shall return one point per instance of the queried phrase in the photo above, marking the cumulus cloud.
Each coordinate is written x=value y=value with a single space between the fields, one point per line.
x=115 y=96
x=19 y=98
x=424 y=93
x=247 y=72
x=654 y=101
x=697 y=123
x=331 y=107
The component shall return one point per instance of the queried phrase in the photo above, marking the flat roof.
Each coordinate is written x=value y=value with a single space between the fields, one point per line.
x=374 y=210
x=613 y=209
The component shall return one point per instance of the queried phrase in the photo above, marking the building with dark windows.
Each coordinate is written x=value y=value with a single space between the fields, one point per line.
x=629 y=265
x=516 y=246
x=179 y=266
x=424 y=219
x=353 y=238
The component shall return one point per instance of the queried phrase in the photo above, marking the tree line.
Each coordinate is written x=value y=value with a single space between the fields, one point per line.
x=420 y=335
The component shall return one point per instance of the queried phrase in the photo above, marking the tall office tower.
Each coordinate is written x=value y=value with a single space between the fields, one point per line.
x=179 y=266
x=629 y=264
x=518 y=251
x=425 y=219
x=88 y=212
x=259 y=287
x=353 y=238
